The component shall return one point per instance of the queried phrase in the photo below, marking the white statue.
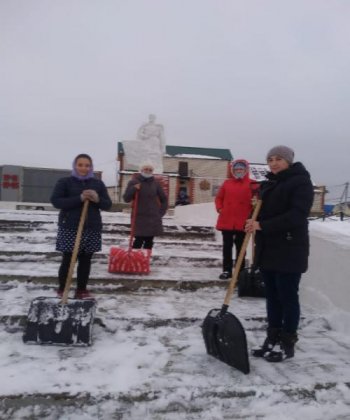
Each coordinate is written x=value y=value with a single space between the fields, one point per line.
x=152 y=132
x=150 y=145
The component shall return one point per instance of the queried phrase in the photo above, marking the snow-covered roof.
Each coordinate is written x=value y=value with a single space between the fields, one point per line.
x=191 y=156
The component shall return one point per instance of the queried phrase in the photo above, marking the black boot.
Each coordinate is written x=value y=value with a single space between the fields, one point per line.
x=225 y=275
x=287 y=344
x=273 y=338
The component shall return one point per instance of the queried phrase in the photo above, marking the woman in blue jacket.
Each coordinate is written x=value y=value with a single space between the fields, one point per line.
x=68 y=196
x=282 y=248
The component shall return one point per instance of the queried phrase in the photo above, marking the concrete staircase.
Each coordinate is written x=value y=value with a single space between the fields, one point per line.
x=184 y=257
x=148 y=329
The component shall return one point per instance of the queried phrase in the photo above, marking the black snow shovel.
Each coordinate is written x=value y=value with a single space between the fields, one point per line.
x=250 y=281
x=223 y=334
x=62 y=321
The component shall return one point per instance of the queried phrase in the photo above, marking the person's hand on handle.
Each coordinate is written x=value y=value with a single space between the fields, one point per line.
x=252 y=226
x=93 y=196
x=83 y=196
x=90 y=195
x=137 y=186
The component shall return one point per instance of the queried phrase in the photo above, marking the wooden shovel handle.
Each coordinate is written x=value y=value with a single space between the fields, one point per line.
x=233 y=281
x=75 y=252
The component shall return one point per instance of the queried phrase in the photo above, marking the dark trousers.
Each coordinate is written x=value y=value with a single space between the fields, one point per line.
x=83 y=270
x=282 y=300
x=145 y=242
x=229 y=238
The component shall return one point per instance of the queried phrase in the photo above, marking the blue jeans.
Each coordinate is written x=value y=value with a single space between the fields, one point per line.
x=282 y=300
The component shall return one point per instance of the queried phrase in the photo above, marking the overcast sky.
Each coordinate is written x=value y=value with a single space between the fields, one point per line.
x=79 y=75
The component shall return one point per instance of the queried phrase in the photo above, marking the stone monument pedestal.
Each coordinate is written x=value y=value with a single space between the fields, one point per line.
x=138 y=151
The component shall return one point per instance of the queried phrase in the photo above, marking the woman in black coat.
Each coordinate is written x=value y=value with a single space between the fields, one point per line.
x=151 y=207
x=282 y=248
x=68 y=196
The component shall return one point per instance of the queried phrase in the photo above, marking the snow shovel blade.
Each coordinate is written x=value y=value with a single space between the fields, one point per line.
x=225 y=339
x=130 y=261
x=51 y=322
x=250 y=283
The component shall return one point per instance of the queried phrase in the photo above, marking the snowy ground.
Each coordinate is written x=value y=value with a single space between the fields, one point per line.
x=148 y=359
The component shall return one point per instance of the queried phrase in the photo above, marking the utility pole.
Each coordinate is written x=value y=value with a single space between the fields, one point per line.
x=344 y=201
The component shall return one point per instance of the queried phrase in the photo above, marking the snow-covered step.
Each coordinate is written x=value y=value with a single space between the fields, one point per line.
x=178 y=260
x=117 y=227
x=10 y=242
x=186 y=276
x=117 y=234
x=186 y=402
x=148 y=356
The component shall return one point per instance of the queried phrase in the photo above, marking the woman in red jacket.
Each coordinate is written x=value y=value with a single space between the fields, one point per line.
x=234 y=205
